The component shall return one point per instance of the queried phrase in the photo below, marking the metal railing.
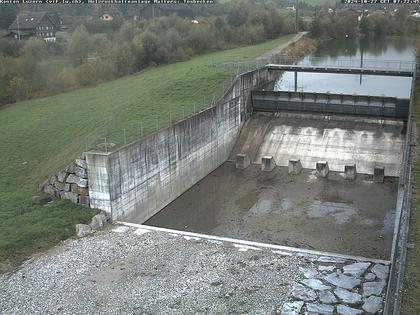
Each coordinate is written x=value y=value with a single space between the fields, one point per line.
x=311 y=61
x=400 y=239
x=114 y=132
x=353 y=63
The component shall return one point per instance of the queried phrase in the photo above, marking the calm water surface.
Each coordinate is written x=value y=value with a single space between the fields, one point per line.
x=389 y=52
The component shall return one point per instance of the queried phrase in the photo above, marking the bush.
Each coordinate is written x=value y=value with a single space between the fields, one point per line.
x=35 y=48
x=86 y=74
x=18 y=89
x=200 y=39
x=105 y=70
x=65 y=79
x=123 y=59
x=238 y=15
x=78 y=48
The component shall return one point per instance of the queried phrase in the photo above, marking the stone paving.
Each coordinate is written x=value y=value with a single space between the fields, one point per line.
x=340 y=287
x=146 y=270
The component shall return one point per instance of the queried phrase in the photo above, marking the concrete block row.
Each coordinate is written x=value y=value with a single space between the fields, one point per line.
x=295 y=167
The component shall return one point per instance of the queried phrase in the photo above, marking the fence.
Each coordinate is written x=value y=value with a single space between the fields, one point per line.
x=116 y=132
x=374 y=64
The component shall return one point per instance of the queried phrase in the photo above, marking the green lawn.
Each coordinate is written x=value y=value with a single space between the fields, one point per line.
x=411 y=304
x=39 y=137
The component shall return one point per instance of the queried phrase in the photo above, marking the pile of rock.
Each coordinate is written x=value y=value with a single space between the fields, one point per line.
x=71 y=183
x=98 y=222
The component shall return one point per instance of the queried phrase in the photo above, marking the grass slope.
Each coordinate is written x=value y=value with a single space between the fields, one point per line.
x=41 y=136
x=411 y=304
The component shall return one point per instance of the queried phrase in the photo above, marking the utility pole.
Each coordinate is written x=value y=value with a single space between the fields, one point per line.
x=296 y=17
x=17 y=20
x=361 y=63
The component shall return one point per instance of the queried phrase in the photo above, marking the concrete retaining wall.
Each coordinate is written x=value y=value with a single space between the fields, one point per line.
x=136 y=181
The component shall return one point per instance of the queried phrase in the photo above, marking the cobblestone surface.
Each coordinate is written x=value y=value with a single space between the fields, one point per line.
x=358 y=287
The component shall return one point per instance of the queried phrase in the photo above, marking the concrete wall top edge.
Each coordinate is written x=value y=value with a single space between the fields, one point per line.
x=245 y=76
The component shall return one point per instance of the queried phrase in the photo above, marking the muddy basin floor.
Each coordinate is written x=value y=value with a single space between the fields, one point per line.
x=334 y=214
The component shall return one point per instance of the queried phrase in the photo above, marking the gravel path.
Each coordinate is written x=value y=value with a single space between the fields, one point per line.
x=127 y=273
x=130 y=270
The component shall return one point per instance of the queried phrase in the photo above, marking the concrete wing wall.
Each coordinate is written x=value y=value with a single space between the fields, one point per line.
x=136 y=181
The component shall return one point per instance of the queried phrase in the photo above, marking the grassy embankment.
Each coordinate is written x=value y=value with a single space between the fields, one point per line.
x=411 y=303
x=39 y=137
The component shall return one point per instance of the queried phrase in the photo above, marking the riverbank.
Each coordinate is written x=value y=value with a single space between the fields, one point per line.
x=285 y=49
x=300 y=48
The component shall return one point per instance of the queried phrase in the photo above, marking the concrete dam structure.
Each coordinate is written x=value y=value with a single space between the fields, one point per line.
x=141 y=178
x=308 y=171
x=340 y=140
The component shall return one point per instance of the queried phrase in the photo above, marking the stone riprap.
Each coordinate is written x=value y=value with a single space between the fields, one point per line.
x=125 y=270
x=71 y=183
x=340 y=287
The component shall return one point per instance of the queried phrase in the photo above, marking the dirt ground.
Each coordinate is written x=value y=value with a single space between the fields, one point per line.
x=334 y=214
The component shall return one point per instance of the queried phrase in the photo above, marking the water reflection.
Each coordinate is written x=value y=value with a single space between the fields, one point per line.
x=394 y=52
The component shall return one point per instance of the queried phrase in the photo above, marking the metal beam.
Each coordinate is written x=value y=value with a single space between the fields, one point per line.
x=343 y=70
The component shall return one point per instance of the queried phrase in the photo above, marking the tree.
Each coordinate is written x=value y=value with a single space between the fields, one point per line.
x=86 y=74
x=10 y=47
x=65 y=79
x=100 y=43
x=402 y=14
x=366 y=26
x=238 y=15
x=35 y=48
x=124 y=60
x=78 y=48
x=32 y=73
x=18 y=89
x=316 y=30
x=149 y=43
x=200 y=39
x=127 y=32
x=418 y=50
x=379 y=22
x=105 y=70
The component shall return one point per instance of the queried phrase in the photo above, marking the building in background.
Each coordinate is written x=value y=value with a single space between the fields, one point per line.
x=106 y=17
x=35 y=24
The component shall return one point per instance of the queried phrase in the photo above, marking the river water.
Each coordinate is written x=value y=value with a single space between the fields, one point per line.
x=392 y=52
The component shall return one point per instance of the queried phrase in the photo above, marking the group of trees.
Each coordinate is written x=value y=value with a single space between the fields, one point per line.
x=371 y=23
x=379 y=23
x=333 y=25
x=96 y=51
